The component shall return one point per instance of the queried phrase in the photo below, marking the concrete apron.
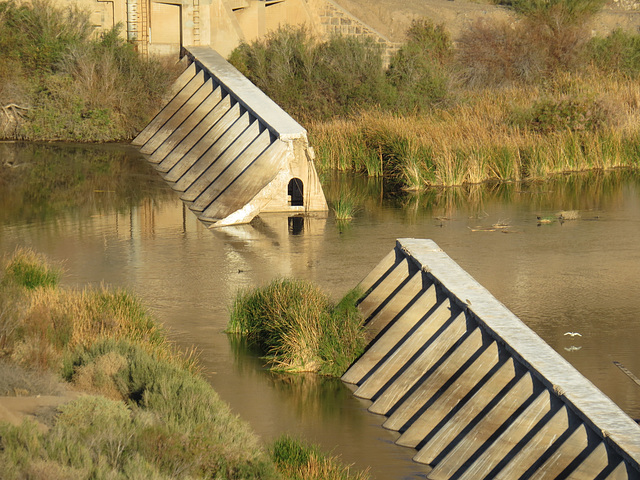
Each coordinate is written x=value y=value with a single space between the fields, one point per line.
x=473 y=389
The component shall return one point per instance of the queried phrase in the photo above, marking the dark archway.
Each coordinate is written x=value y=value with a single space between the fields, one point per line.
x=295 y=190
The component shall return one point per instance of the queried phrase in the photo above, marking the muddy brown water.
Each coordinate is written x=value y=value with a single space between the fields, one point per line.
x=124 y=227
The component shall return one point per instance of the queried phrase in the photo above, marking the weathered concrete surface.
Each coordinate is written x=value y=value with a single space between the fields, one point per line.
x=228 y=149
x=475 y=391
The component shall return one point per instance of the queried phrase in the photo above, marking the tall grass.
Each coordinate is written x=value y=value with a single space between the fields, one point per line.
x=300 y=461
x=509 y=134
x=297 y=328
x=27 y=269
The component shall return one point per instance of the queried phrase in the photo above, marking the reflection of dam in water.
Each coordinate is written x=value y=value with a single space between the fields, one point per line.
x=474 y=390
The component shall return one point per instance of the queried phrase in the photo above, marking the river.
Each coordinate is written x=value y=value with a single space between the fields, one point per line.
x=124 y=227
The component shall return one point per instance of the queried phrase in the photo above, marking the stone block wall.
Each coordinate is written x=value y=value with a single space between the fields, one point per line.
x=331 y=19
x=631 y=5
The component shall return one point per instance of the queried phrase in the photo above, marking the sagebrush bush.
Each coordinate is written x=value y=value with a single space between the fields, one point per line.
x=200 y=433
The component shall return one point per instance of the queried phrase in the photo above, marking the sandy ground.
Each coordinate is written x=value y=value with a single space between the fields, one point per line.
x=40 y=408
x=391 y=18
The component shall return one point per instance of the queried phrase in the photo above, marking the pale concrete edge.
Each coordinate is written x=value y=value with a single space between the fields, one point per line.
x=262 y=107
x=585 y=399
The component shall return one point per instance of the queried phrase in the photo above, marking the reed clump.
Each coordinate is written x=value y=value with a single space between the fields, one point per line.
x=296 y=327
x=300 y=461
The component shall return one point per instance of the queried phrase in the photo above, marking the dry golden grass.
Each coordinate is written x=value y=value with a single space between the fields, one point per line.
x=485 y=135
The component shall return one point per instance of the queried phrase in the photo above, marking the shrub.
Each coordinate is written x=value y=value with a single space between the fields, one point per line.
x=19 y=381
x=100 y=429
x=617 y=52
x=295 y=325
x=195 y=433
x=417 y=70
x=494 y=53
x=565 y=114
x=39 y=33
x=313 y=79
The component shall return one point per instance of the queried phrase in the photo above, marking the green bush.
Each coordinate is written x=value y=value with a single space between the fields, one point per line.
x=417 y=70
x=40 y=33
x=194 y=423
x=565 y=114
x=295 y=325
x=313 y=79
x=617 y=52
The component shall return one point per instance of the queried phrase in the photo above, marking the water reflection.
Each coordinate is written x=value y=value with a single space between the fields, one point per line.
x=580 y=276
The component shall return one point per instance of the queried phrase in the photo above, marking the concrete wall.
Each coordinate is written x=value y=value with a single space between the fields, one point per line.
x=161 y=27
x=471 y=388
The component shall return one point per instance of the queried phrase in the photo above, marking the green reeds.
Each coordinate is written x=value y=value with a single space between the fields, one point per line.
x=300 y=461
x=29 y=270
x=297 y=328
x=345 y=206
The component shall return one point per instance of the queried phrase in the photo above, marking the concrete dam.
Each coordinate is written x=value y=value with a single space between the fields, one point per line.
x=227 y=149
x=471 y=388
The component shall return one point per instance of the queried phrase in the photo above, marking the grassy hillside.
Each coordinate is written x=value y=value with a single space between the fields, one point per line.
x=146 y=411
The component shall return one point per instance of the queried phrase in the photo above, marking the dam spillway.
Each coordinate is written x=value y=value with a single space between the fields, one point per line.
x=227 y=149
x=471 y=388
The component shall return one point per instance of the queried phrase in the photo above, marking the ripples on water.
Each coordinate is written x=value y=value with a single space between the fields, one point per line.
x=119 y=224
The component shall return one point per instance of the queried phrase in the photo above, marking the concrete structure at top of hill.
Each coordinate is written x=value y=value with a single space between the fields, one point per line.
x=163 y=27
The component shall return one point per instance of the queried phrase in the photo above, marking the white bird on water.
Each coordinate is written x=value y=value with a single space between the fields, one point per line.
x=573 y=334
